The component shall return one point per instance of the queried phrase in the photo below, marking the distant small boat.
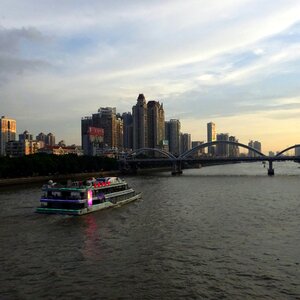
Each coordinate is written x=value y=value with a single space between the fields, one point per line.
x=79 y=198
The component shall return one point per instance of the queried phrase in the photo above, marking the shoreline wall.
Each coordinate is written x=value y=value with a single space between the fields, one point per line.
x=43 y=179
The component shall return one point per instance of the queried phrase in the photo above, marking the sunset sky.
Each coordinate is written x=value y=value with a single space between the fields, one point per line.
x=236 y=63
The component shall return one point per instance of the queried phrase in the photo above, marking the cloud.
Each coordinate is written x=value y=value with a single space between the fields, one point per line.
x=15 y=65
x=14 y=45
x=286 y=114
x=259 y=51
x=11 y=39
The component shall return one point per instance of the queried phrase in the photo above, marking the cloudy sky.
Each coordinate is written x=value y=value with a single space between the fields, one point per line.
x=236 y=63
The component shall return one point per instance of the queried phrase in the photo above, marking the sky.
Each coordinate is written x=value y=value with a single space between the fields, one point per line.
x=235 y=63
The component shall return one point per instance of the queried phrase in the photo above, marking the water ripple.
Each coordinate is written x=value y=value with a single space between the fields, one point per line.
x=192 y=237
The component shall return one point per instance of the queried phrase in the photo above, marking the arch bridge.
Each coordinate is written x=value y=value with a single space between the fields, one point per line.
x=208 y=144
x=133 y=161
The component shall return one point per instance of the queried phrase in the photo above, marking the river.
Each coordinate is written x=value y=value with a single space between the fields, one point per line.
x=220 y=232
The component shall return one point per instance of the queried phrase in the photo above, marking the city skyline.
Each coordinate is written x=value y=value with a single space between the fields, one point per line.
x=234 y=64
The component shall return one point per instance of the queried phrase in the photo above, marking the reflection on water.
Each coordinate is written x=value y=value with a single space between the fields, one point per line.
x=227 y=232
x=91 y=249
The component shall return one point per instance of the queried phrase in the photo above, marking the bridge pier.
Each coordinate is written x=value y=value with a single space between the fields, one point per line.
x=271 y=169
x=176 y=169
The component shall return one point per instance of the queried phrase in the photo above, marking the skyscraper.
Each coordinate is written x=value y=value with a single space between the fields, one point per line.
x=119 y=132
x=211 y=137
x=140 y=123
x=222 y=149
x=103 y=130
x=106 y=119
x=156 y=124
x=173 y=135
x=127 y=130
x=41 y=137
x=8 y=129
x=88 y=146
x=233 y=149
x=256 y=145
x=200 y=151
x=185 y=142
x=91 y=137
x=50 y=139
x=25 y=136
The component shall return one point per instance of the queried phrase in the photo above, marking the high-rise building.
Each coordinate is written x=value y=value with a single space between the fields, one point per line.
x=41 y=137
x=50 y=139
x=233 y=149
x=102 y=131
x=211 y=137
x=271 y=153
x=156 y=124
x=256 y=145
x=119 y=132
x=200 y=151
x=250 y=144
x=185 y=142
x=140 y=123
x=106 y=119
x=25 y=136
x=127 y=131
x=8 y=129
x=86 y=123
x=222 y=149
x=91 y=137
x=172 y=129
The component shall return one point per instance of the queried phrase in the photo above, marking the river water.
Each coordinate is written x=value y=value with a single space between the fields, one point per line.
x=221 y=232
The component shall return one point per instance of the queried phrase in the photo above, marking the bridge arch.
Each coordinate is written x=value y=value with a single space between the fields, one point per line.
x=287 y=149
x=204 y=145
x=141 y=150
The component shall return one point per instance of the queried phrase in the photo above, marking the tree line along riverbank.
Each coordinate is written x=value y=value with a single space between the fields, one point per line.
x=45 y=165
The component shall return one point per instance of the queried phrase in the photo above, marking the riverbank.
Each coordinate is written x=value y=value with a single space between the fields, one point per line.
x=43 y=179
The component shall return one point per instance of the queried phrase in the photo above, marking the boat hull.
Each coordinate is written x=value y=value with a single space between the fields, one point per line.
x=83 y=211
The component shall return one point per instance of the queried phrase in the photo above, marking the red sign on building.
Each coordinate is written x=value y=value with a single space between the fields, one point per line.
x=96 y=134
x=96 y=131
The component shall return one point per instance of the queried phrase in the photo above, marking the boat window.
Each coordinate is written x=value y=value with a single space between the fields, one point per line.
x=65 y=195
x=54 y=195
x=100 y=179
x=74 y=195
